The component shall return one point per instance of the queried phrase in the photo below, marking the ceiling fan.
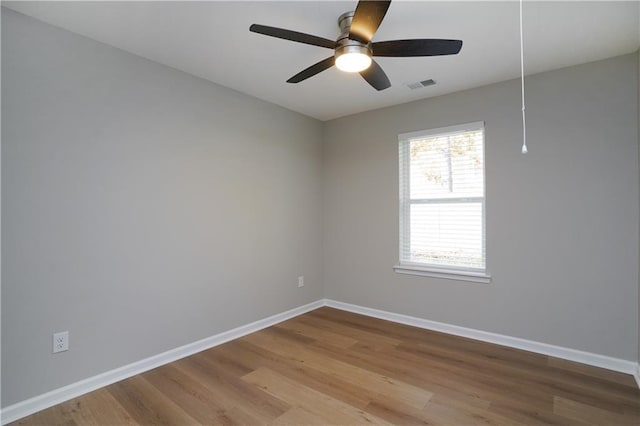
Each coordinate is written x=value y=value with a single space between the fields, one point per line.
x=353 y=50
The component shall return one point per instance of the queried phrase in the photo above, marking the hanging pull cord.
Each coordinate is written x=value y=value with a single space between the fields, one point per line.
x=524 y=120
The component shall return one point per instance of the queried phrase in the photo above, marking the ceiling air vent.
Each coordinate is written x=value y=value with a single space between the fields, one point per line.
x=420 y=84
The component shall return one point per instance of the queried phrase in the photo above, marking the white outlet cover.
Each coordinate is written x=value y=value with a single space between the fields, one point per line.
x=300 y=281
x=60 y=341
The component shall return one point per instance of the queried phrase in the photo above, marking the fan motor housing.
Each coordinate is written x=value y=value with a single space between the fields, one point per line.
x=346 y=45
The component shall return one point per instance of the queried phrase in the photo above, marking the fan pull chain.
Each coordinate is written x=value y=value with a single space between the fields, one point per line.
x=524 y=121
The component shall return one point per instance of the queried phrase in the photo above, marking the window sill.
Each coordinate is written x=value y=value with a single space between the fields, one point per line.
x=448 y=274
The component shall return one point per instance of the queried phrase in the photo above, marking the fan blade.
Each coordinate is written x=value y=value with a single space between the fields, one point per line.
x=416 y=47
x=376 y=77
x=366 y=19
x=313 y=70
x=293 y=36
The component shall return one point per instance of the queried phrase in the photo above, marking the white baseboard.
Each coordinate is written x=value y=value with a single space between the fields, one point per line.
x=603 y=361
x=56 y=396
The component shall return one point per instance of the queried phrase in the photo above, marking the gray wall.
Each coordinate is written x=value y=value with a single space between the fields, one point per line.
x=562 y=221
x=143 y=208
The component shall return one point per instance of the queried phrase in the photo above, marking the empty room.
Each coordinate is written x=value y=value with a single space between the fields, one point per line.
x=319 y=212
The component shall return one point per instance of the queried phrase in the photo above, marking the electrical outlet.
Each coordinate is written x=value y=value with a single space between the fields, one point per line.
x=60 y=341
x=301 y=281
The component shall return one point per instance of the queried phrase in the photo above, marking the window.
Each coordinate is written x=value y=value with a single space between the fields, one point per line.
x=442 y=204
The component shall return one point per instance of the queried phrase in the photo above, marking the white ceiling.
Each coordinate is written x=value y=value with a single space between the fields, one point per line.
x=212 y=40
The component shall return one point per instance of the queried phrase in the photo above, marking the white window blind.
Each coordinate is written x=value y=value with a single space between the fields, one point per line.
x=442 y=200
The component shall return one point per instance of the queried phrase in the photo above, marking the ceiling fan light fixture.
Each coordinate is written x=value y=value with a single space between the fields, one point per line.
x=354 y=47
x=353 y=58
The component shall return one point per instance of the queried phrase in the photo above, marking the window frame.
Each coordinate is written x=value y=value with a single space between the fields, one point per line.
x=461 y=273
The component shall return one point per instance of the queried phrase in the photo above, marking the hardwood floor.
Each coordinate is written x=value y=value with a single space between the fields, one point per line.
x=334 y=367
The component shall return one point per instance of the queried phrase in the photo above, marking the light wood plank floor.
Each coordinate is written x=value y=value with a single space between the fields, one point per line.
x=335 y=367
